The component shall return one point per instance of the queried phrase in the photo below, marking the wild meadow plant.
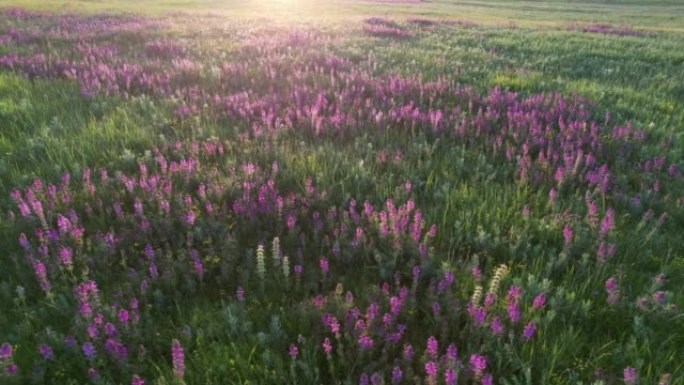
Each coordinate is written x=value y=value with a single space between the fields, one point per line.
x=322 y=287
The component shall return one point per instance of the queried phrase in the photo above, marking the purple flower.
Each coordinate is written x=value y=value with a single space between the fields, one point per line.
x=327 y=345
x=513 y=311
x=123 y=316
x=70 y=341
x=487 y=379
x=365 y=341
x=567 y=234
x=325 y=267
x=630 y=376
x=431 y=369
x=65 y=256
x=408 y=351
x=529 y=330
x=136 y=380
x=293 y=351
x=496 y=326
x=432 y=349
x=478 y=363
x=45 y=350
x=539 y=301
x=397 y=375
x=6 y=351
x=178 y=358
x=450 y=376
x=11 y=369
x=89 y=350
x=659 y=297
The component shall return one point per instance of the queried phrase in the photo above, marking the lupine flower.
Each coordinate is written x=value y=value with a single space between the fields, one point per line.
x=365 y=341
x=513 y=311
x=6 y=351
x=450 y=376
x=432 y=349
x=178 y=358
x=397 y=375
x=431 y=370
x=487 y=379
x=324 y=265
x=88 y=350
x=123 y=316
x=136 y=380
x=539 y=301
x=529 y=330
x=478 y=364
x=408 y=351
x=567 y=234
x=45 y=350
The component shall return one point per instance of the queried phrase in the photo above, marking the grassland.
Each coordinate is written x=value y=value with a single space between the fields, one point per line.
x=593 y=256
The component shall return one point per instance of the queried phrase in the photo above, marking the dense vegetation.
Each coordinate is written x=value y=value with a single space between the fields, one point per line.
x=382 y=196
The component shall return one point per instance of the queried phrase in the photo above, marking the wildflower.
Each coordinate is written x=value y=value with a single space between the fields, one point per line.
x=513 y=311
x=539 y=301
x=136 y=380
x=450 y=376
x=11 y=369
x=65 y=256
x=365 y=341
x=432 y=347
x=487 y=379
x=88 y=350
x=45 y=350
x=529 y=330
x=324 y=265
x=496 y=326
x=261 y=262
x=293 y=351
x=452 y=353
x=478 y=363
x=567 y=234
x=178 y=358
x=431 y=370
x=397 y=375
x=327 y=346
x=408 y=351
x=123 y=316
x=630 y=376
x=6 y=351
x=659 y=297
x=240 y=294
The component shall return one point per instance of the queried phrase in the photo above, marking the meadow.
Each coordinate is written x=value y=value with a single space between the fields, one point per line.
x=341 y=192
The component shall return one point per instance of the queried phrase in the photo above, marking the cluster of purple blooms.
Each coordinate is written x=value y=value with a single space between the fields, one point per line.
x=170 y=215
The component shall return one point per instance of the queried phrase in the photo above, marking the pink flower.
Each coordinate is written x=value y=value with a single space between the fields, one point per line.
x=539 y=301
x=178 y=358
x=293 y=351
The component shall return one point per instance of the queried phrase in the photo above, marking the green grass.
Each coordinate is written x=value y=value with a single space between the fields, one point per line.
x=47 y=127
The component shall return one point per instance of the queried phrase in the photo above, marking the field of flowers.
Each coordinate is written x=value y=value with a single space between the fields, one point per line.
x=398 y=198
